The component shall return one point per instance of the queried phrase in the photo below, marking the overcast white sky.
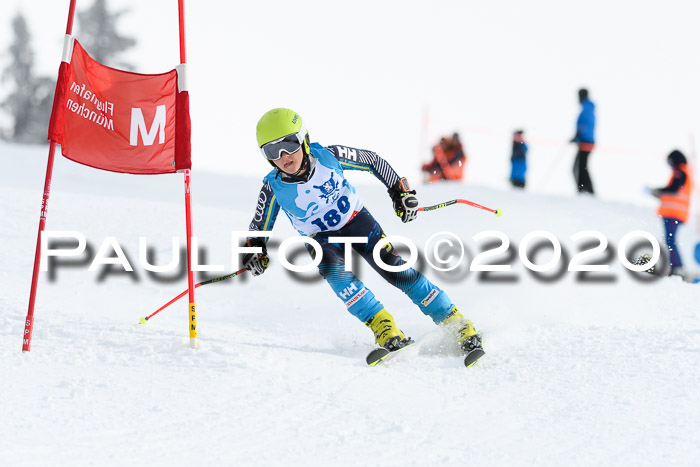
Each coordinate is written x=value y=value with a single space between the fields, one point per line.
x=392 y=76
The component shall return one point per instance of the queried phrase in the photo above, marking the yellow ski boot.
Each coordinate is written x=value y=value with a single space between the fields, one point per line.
x=386 y=333
x=469 y=340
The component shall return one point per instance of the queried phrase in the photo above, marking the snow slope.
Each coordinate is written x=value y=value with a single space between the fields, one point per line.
x=577 y=372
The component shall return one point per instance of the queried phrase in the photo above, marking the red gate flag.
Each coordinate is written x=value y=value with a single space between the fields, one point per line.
x=120 y=121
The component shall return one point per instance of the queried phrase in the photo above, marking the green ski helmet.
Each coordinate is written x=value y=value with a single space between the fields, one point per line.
x=281 y=130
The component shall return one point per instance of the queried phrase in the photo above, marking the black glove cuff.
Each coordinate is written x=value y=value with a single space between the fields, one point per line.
x=400 y=189
x=257 y=242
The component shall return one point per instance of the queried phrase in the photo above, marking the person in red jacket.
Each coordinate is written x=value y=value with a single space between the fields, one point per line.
x=675 y=204
x=448 y=160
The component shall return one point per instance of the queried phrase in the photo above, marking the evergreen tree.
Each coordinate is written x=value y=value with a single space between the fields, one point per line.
x=98 y=35
x=30 y=102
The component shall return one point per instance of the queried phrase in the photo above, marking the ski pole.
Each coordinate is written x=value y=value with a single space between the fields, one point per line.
x=145 y=319
x=497 y=212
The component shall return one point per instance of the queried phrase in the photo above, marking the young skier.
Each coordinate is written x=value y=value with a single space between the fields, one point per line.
x=307 y=183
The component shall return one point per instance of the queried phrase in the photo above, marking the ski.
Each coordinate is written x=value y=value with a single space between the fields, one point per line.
x=473 y=356
x=476 y=352
x=376 y=356
x=379 y=355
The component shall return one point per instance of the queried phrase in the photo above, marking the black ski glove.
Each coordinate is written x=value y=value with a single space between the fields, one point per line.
x=404 y=199
x=256 y=263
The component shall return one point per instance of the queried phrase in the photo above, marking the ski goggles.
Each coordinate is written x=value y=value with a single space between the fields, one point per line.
x=289 y=144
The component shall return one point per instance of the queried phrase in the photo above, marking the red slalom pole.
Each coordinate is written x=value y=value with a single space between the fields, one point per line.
x=497 y=212
x=145 y=319
x=29 y=322
x=190 y=274
x=181 y=16
x=188 y=202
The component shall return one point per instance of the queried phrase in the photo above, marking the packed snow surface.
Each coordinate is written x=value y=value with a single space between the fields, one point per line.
x=598 y=368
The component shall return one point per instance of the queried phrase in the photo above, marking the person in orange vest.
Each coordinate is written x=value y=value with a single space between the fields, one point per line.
x=448 y=160
x=675 y=204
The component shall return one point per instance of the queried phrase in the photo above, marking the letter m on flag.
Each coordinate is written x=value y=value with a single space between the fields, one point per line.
x=121 y=121
x=138 y=126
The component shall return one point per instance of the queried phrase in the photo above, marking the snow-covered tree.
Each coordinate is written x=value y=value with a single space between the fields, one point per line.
x=98 y=34
x=31 y=97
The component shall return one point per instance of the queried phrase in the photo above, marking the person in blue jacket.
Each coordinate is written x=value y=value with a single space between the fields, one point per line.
x=518 y=160
x=307 y=183
x=585 y=138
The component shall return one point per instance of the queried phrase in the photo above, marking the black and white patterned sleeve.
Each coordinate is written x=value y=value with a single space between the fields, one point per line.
x=360 y=159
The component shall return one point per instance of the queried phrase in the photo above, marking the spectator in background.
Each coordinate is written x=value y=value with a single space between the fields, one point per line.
x=585 y=130
x=457 y=147
x=675 y=203
x=448 y=160
x=517 y=160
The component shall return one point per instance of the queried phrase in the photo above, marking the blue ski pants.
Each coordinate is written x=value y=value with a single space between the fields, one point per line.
x=671 y=226
x=359 y=300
